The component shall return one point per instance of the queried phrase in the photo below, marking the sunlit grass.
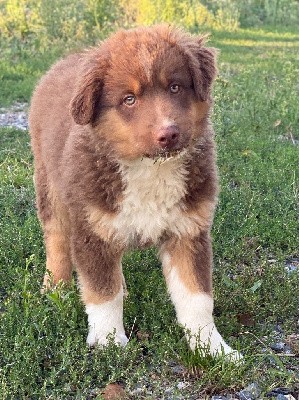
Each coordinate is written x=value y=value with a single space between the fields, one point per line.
x=259 y=43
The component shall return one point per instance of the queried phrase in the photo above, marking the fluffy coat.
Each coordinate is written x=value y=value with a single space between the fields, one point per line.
x=124 y=158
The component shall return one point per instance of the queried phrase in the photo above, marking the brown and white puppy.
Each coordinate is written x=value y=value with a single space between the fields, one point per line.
x=124 y=157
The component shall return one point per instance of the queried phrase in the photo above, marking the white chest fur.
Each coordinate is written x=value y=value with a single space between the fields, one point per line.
x=152 y=200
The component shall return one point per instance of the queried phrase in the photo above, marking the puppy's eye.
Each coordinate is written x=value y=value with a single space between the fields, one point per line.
x=174 y=88
x=129 y=100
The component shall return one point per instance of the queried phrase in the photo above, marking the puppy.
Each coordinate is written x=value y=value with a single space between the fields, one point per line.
x=124 y=158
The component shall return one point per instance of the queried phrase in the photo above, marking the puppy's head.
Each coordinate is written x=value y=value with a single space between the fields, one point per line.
x=146 y=91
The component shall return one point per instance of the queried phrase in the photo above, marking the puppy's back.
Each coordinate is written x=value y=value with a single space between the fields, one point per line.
x=49 y=117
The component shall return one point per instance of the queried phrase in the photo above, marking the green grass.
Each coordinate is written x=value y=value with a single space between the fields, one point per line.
x=42 y=338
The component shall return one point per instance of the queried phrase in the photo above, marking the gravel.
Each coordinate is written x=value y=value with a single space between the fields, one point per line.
x=15 y=116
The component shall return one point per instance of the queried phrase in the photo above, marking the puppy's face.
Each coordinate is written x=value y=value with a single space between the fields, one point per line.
x=146 y=91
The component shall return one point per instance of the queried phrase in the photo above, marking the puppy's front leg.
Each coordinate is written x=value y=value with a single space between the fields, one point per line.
x=98 y=264
x=187 y=267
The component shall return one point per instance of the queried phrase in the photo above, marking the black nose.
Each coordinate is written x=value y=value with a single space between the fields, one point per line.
x=168 y=137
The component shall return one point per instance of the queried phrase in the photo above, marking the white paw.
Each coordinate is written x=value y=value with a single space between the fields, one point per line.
x=234 y=356
x=211 y=340
x=222 y=349
x=105 y=322
x=103 y=338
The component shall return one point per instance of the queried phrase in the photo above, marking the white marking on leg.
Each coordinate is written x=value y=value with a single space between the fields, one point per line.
x=105 y=319
x=195 y=314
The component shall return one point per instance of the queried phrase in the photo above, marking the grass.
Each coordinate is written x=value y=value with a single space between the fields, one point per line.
x=42 y=338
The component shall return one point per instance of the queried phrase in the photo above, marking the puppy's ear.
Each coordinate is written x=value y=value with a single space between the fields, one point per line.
x=88 y=92
x=203 y=68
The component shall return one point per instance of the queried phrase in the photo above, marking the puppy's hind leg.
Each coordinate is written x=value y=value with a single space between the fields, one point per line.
x=55 y=225
x=58 y=264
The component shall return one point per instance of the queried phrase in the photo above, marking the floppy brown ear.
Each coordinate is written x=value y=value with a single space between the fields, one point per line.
x=203 y=68
x=88 y=92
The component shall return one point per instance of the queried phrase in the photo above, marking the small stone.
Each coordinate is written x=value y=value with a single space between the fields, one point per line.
x=245 y=395
x=251 y=392
x=292 y=265
x=280 y=391
x=179 y=370
x=279 y=346
x=285 y=397
x=278 y=328
x=181 y=385
x=114 y=391
x=219 y=398
x=288 y=350
x=137 y=391
x=291 y=268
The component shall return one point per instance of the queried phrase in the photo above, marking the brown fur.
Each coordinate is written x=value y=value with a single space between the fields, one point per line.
x=82 y=132
x=193 y=258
